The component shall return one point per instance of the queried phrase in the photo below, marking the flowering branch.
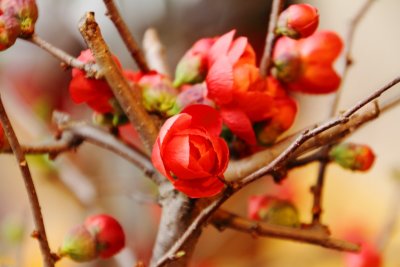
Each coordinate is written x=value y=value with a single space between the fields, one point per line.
x=40 y=232
x=275 y=164
x=129 y=98
x=136 y=53
x=223 y=219
x=270 y=37
x=65 y=58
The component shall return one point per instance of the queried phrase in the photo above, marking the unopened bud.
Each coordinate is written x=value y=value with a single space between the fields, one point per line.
x=79 y=245
x=351 y=156
x=9 y=30
x=298 y=21
x=26 y=12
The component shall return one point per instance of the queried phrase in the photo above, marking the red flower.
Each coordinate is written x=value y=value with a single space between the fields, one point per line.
x=96 y=93
x=190 y=153
x=108 y=233
x=306 y=65
x=298 y=21
x=235 y=85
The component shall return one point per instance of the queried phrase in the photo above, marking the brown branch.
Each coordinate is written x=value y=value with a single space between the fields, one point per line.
x=270 y=37
x=129 y=98
x=40 y=232
x=101 y=138
x=290 y=150
x=317 y=189
x=223 y=219
x=155 y=52
x=126 y=35
x=61 y=55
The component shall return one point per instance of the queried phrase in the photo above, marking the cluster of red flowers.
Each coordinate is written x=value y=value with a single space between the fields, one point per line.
x=221 y=76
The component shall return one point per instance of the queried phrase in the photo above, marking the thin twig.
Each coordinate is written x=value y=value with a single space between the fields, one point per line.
x=126 y=35
x=207 y=212
x=270 y=37
x=61 y=55
x=223 y=219
x=129 y=98
x=40 y=233
x=317 y=189
x=101 y=138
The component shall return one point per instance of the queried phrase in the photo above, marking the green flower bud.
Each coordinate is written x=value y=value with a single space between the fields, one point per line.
x=79 y=245
x=351 y=156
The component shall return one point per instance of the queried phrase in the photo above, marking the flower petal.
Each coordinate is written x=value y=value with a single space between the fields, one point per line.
x=238 y=122
x=206 y=187
x=237 y=49
x=221 y=47
x=220 y=81
x=321 y=47
x=204 y=116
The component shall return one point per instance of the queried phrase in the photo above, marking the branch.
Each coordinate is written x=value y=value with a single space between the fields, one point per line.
x=155 y=52
x=317 y=190
x=286 y=155
x=129 y=98
x=61 y=55
x=126 y=35
x=223 y=219
x=270 y=38
x=105 y=140
x=40 y=233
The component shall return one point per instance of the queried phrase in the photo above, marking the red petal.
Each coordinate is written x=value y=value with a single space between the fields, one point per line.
x=317 y=79
x=257 y=105
x=157 y=160
x=129 y=134
x=238 y=122
x=222 y=151
x=237 y=49
x=174 y=124
x=220 y=81
x=206 y=117
x=101 y=104
x=284 y=45
x=197 y=188
x=321 y=47
x=221 y=46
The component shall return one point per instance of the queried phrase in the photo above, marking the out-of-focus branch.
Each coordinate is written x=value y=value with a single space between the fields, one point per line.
x=65 y=58
x=155 y=52
x=126 y=35
x=317 y=189
x=270 y=37
x=40 y=232
x=101 y=138
x=223 y=219
x=129 y=98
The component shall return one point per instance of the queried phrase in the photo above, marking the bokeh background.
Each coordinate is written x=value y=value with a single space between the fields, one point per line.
x=33 y=85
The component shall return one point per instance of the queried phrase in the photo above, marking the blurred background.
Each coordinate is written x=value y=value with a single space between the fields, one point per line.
x=33 y=85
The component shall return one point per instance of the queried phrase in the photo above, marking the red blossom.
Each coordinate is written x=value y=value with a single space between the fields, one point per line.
x=109 y=235
x=298 y=21
x=306 y=65
x=96 y=93
x=190 y=153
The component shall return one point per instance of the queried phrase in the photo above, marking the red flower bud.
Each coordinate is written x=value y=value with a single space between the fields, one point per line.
x=96 y=93
x=192 y=68
x=9 y=30
x=306 y=65
x=298 y=21
x=25 y=11
x=353 y=156
x=109 y=235
x=190 y=153
x=79 y=245
x=158 y=94
x=273 y=210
